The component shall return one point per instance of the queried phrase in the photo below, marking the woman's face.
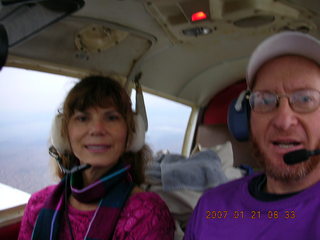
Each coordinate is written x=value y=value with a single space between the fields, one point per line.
x=98 y=136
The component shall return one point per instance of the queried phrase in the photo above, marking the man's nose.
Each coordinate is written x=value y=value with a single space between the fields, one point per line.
x=284 y=116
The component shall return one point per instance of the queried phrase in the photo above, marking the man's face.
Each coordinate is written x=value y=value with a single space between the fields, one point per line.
x=283 y=130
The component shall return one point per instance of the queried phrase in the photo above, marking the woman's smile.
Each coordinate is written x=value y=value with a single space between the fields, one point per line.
x=97 y=148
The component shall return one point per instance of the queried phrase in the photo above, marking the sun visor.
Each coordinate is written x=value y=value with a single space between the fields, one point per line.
x=20 y=20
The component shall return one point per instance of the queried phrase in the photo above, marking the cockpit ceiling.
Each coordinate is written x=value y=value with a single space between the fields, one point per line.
x=158 y=38
x=87 y=44
x=211 y=62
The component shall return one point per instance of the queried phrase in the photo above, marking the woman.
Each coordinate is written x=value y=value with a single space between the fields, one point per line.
x=100 y=155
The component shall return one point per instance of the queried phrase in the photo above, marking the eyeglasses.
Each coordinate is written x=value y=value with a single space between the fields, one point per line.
x=302 y=101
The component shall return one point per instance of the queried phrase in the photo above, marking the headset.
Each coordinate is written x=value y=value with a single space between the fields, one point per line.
x=137 y=140
x=239 y=117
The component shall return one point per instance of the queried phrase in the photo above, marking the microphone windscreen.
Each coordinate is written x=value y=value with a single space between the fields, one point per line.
x=296 y=156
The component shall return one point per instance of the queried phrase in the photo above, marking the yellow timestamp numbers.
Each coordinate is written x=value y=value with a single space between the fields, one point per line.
x=254 y=214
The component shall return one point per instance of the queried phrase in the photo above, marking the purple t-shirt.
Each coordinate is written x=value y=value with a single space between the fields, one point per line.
x=230 y=212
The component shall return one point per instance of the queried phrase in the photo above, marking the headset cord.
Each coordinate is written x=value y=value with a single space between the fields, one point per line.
x=66 y=205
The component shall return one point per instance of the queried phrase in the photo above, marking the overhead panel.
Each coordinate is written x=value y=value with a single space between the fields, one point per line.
x=228 y=16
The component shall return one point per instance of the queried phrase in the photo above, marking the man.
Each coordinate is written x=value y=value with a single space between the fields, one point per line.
x=283 y=78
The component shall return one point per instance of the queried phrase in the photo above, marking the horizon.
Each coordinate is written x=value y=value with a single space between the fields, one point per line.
x=27 y=111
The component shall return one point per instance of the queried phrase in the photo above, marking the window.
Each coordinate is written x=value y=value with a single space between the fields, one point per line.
x=167 y=122
x=28 y=102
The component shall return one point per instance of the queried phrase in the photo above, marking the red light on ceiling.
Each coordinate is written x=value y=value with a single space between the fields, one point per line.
x=198 y=16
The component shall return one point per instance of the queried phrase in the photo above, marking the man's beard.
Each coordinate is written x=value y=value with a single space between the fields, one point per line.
x=288 y=173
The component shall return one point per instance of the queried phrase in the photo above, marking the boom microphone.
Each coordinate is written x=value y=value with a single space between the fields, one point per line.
x=298 y=156
x=73 y=169
x=55 y=155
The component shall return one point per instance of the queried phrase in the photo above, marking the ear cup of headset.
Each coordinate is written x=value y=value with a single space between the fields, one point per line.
x=138 y=137
x=59 y=143
x=238 y=120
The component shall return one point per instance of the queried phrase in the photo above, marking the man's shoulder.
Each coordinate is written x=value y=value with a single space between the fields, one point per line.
x=229 y=186
x=232 y=189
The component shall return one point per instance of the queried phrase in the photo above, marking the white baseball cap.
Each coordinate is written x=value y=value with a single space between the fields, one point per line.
x=288 y=42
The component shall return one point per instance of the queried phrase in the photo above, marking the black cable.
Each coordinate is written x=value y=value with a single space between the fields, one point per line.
x=10 y=2
x=66 y=206
x=4 y=45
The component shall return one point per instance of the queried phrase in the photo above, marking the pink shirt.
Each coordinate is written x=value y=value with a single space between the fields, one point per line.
x=145 y=216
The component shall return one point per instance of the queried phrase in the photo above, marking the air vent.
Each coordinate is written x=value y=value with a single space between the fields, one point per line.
x=254 y=21
x=97 y=38
x=196 y=31
x=304 y=29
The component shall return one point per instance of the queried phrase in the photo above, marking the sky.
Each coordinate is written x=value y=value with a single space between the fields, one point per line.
x=28 y=102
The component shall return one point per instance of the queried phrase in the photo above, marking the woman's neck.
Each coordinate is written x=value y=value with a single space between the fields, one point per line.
x=82 y=206
x=93 y=174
